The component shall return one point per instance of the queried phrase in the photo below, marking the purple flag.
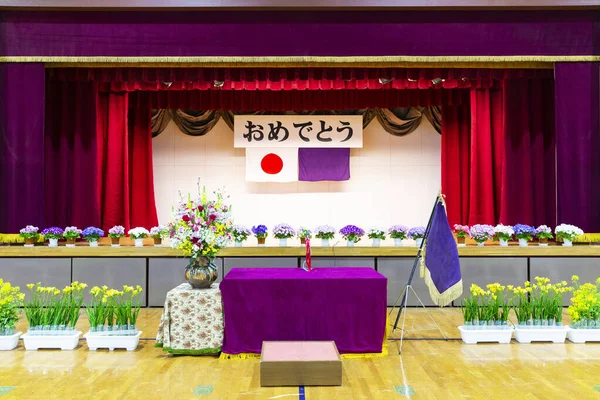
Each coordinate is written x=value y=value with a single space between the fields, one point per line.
x=441 y=266
x=323 y=164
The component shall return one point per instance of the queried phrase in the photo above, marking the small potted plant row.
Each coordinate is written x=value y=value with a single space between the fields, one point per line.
x=482 y=233
x=92 y=235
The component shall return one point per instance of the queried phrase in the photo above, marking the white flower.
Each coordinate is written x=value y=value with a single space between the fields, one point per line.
x=504 y=230
x=566 y=230
x=138 y=233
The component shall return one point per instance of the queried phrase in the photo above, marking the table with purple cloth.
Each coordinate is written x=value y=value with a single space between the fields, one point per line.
x=346 y=305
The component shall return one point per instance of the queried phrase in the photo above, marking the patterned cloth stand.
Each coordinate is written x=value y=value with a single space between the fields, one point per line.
x=192 y=321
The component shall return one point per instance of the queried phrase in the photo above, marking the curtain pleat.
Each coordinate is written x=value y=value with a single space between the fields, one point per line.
x=159 y=121
x=399 y=121
x=434 y=116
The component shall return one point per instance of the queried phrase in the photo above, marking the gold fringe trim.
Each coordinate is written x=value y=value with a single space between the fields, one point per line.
x=241 y=356
x=302 y=61
x=443 y=299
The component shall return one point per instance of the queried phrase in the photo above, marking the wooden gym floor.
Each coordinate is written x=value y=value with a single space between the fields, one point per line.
x=427 y=369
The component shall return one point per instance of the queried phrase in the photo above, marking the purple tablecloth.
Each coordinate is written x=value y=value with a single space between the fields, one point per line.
x=346 y=305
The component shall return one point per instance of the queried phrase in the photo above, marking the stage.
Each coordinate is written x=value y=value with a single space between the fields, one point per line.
x=159 y=269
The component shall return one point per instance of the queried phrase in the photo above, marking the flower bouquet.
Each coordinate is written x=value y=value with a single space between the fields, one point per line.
x=462 y=232
x=376 y=234
x=240 y=233
x=115 y=234
x=543 y=233
x=417 y=234
x=303 y=234
x=92 y=235
x=503 y=233
x=325 y=233
x=112 y=315
x=398 y=233
x=352 y=234
x=30 y=234
x=482 y=233
x=261 y=233
x=71 y=233
x=138 y=234
x=158 y=233
x=52 y=234
x=283 y=232
x=524 y=233
x=52 y=315
x=11 y=300
x=200 y=228
x=567 y=233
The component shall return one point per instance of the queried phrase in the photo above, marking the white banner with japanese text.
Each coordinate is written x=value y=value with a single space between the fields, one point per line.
x=298 y=131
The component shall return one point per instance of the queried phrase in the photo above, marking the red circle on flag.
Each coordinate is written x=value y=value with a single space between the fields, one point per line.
x=271 y=164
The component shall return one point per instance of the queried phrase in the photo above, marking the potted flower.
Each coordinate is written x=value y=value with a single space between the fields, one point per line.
x=115 y=234
x=112 y=315
x=303 y=234
x=503 y=233
x=376 y=234
x=52 y=315
x=92 y=235
x=30 y=234
x=539 y=308
x=584 y=312
x=240 y=233
x=524 y=233
x=398 y=233
x=461 y=231
x=283 y=232
x=417 y=234
x=11 y=300
x=138 y=234
x=71 y=233
x=543 y=233
x=485 y=315
x=325 y=233
x=200 y=228
x=567 y=233
x=482 y=233
x=261 y=233
x=352 y=234
x=158 y=233
x=52 y=234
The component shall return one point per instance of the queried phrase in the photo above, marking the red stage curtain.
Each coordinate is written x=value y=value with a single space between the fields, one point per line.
x=69 y=194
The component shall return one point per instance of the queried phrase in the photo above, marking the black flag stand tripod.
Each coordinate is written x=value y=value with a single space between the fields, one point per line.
x=408 y=287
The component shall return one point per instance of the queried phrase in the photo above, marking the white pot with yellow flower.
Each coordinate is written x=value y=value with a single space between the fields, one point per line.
x=112 y=315
x=11 y=300
x=585 y=312
x=485 y=315
x=52 y=315
x=539 y=308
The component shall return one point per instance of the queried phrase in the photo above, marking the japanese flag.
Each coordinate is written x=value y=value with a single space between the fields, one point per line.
x=271 y=164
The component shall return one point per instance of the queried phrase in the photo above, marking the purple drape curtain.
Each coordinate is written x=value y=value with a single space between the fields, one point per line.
x=577 y=87
x=22 y=163
x=71 y=195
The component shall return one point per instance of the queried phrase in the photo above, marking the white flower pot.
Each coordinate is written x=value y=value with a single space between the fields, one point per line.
x=474 y=336
x=376 y=242
x=52 y=242
x=418 y=242
x=547 y=334
x=238 y=243
x=94 y=243
x=543 y=244
x=583 y=335
x=63 y=342
x=349 y=243
x=503 y=242
x=139 y=242
x=325 y=242
x=567 y=243
x=96 y=340
x=9 y=342
x=480 y=244
x=398 y=242
x=523 y=243
x=283 y=242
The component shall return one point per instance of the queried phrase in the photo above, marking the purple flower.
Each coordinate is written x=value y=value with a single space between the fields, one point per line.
x=260 y=231
x=481 y=233
x=116 y=232
x=304 y=233
x=52 y=233
x=398 y=232
x=240 y=232
x=324 y=232
x=352 y=233
x=30 y=232
x=417 y=232
x=92 y=234
x=283 y=231
x=524 y=231
x=71 y=232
